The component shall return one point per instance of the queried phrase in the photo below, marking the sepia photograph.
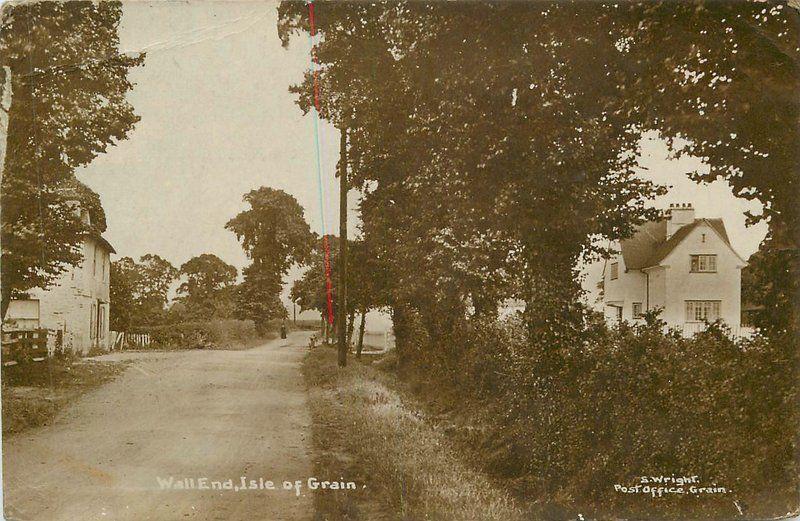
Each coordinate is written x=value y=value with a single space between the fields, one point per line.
x=466 y=260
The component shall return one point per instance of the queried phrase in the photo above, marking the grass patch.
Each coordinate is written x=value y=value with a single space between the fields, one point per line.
x=366 y=430
x=34 y=393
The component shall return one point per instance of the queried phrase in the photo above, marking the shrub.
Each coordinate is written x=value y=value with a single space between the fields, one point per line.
x=212 y=334
x=567 y=423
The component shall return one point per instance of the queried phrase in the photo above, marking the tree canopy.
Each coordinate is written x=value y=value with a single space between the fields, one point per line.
x=69 y=84
x=274 y=235
x=513 y=133
x=140 y=290
x=204 y=290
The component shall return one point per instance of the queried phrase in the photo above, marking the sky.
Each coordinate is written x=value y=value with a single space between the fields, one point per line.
x=217 y=120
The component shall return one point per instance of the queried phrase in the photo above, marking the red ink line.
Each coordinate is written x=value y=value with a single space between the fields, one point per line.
x=328 y=279
x=326 y=246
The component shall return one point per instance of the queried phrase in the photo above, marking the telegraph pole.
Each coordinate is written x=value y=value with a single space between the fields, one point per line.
x=341 y=306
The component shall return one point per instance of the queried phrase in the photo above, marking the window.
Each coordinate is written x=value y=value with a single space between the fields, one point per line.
x=704 y=263
x=614 y=270
x=619 y=313
x=637 y=309
x=702 y=310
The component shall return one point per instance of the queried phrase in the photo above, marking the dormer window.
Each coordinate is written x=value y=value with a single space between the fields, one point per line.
x=704 y=263
x=614 y=270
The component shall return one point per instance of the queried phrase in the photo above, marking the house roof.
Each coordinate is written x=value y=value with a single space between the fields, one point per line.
x=103 y=242
x=650 y=245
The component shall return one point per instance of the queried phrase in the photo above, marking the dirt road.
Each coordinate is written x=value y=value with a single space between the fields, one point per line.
x=217 y=415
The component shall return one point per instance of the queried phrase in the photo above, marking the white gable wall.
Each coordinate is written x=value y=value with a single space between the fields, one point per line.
x=682 y=285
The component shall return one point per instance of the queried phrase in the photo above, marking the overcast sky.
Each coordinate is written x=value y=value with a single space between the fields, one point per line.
x=218 y=121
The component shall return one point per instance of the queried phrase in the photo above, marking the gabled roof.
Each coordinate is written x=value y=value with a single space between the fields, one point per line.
x=95 y=234
x=649 y=244
x=102 y=240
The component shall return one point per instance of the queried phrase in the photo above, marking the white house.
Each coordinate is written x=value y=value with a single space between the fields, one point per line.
x=77 y=304
x=685 y=266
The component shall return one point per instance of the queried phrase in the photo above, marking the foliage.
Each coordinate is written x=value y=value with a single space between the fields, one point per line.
x=507 y=206
x=493 y=207
x=274 y=235
x=121 y=294
x=770 y=283
x=69 y=84
x=258 y=296
x=511 y=147
x=139 y=290
x=628 y=402
x=205 y=292
x=207 y=334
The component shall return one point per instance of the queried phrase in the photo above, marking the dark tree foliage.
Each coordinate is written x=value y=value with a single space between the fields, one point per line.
x=68 y=84
x=493 y=143
x=770 y=286
x=500 y=156
x=139 y=291
x=121 y=297
x=204 y=292
x=363 y=279
x=274 y=235
x=513 y=132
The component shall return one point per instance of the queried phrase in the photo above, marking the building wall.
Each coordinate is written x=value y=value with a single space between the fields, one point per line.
x=672 y=283
x=72 y=303
x=628 y=288
x=723 y=285
x=657 y=297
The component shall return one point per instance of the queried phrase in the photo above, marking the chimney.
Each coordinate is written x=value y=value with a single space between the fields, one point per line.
x=79 y=211
x=679 y=215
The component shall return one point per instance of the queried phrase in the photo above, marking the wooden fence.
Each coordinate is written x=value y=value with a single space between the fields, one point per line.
x=29 y=345
x=122 y=340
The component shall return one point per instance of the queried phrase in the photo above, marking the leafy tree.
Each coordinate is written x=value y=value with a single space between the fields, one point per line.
x=507 y=205
x=274 y=235
x=139 y=291
x=770 y=282
x=155 y=276
x=123 y=279
x=206 y=277
x=258 y=297
x=492 y=206
x=69 y=84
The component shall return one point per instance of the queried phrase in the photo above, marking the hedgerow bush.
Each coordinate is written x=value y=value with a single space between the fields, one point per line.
x=210 y=334
x=568 y=422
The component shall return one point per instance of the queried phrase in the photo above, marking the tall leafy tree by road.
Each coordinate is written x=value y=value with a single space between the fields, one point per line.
x=207 y=277
x=140 y=290
x=507 y=148
x=69 y=83
x=274 y=235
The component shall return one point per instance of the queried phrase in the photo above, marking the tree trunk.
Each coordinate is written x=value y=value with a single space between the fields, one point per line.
x=5 y=104
x=361 y=333
x=342 y=293
x=6 y=299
